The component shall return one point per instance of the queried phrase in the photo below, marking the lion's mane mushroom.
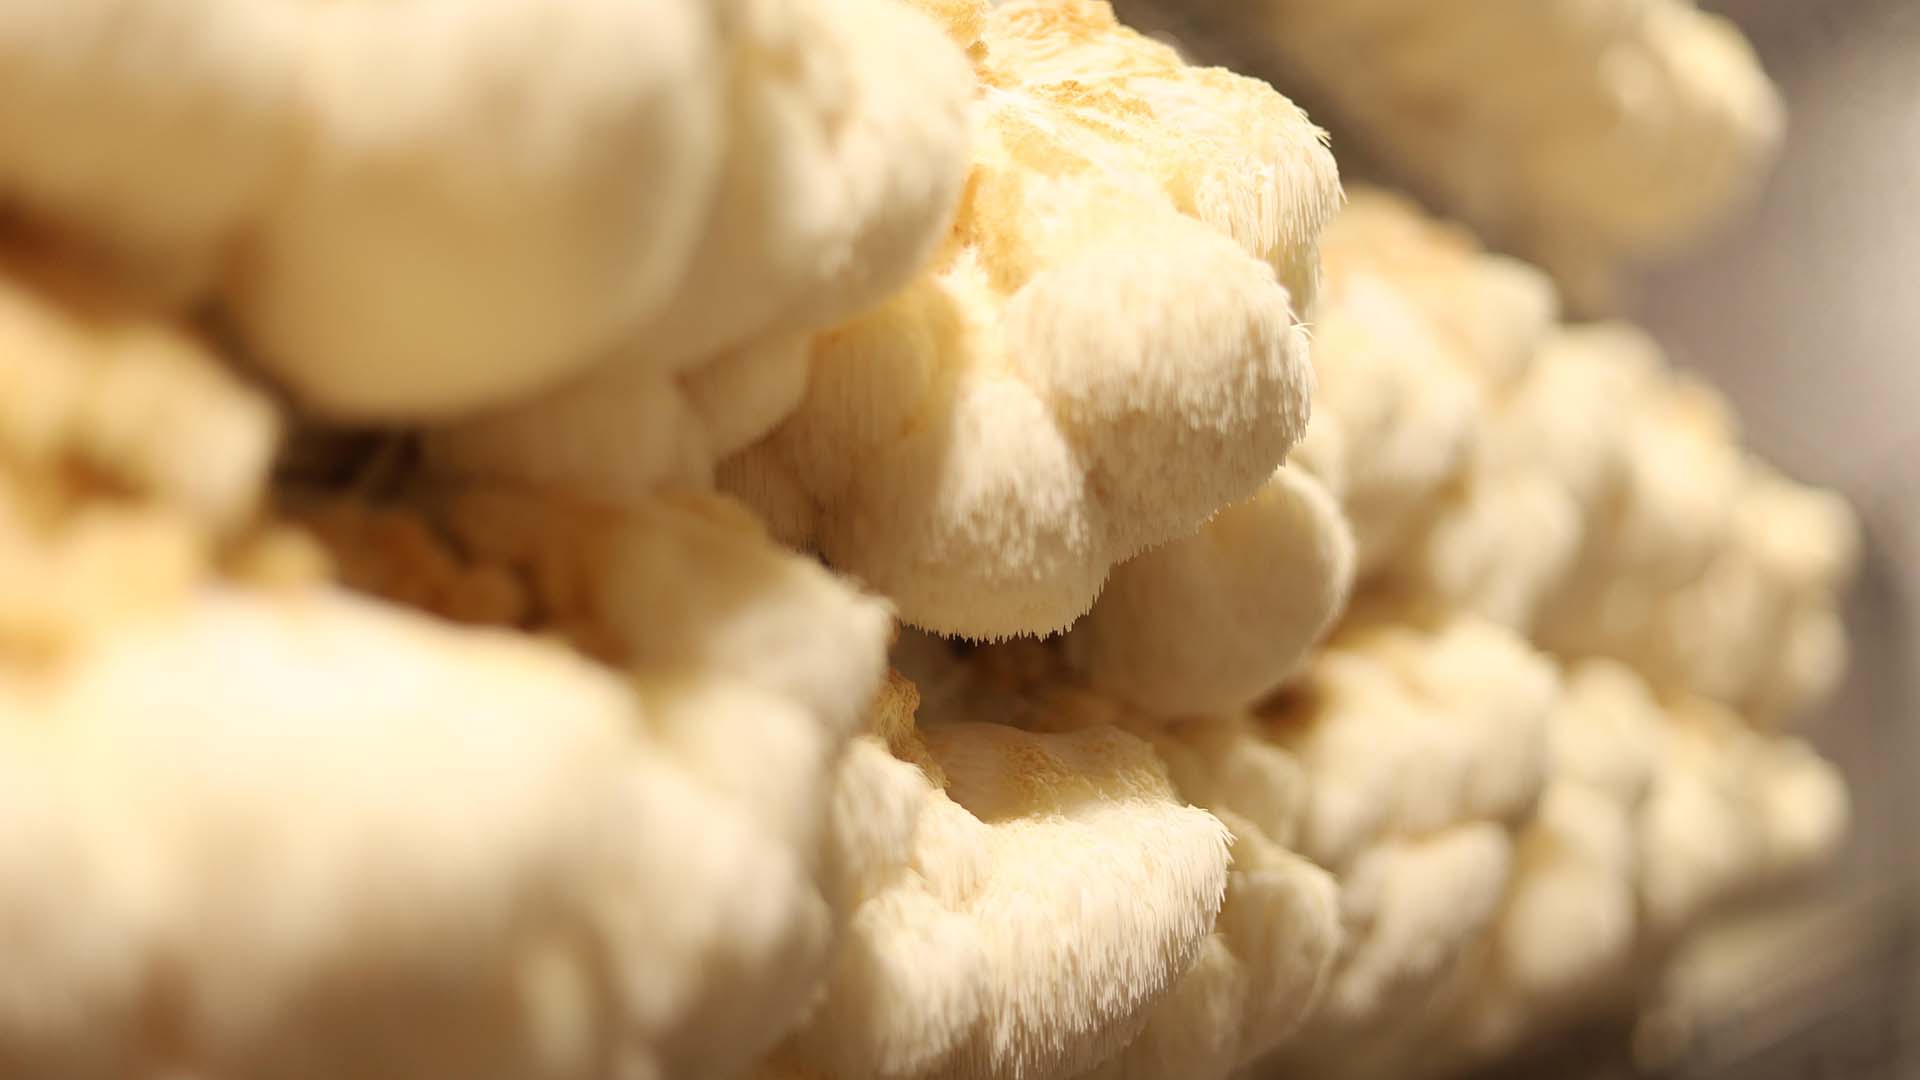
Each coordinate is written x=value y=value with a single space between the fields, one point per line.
x=418 y=209
x=1105 y=353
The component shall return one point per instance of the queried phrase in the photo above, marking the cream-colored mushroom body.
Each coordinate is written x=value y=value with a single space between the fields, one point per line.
x=848 y=145
x=1054 y=889
x=1215 y=621
x=1105 y=353
x=1258 y=977
x=1615 y=130
x=250 y=818
x=284 y=820
x=425 y=208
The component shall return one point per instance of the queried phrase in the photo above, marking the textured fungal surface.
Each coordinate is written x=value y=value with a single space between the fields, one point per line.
x=804 y=540
x=1106 y=351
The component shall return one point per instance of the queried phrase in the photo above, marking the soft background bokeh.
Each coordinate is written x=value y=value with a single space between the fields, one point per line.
x=1807 y=313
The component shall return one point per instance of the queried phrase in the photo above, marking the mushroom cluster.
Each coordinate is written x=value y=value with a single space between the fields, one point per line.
x=874 y=538
x=1583 y=134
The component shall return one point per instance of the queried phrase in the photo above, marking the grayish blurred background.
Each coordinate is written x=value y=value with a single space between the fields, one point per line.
x=1807 y=312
